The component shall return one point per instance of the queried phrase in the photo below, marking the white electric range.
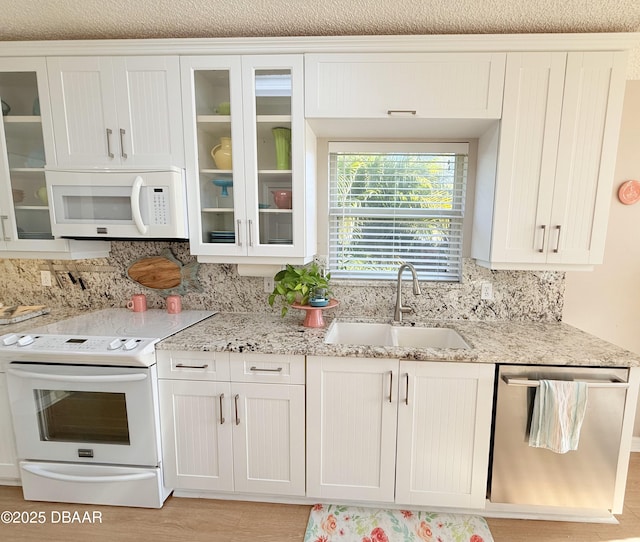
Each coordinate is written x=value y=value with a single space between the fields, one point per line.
x=83 y=394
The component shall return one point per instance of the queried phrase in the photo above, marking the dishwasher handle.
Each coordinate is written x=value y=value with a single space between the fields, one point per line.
x=610 y=382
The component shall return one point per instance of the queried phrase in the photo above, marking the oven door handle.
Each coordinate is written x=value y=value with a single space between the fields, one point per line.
x=79 y=378
x=39 y=471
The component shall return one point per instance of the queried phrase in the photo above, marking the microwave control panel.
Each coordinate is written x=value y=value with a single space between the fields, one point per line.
x=158 y=205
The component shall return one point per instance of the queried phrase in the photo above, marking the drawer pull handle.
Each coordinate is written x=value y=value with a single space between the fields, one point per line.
x=391 y=386
x=183 y=366
x=259 y=370
x=221 y=416
x=412 y=112
x=235 y=400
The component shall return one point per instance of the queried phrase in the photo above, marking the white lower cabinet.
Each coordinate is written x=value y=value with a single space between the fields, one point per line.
x=397 y=431
x=8 y=456
x=444 y=431
x=243 y=436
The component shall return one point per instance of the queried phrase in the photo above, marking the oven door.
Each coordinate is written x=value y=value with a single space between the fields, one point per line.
x=84 y=413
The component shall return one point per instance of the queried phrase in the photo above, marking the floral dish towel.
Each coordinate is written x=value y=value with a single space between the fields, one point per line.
x=337 y=523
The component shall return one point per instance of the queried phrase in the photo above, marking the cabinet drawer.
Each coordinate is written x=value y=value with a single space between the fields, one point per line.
x=194 y=365
x=274 y=369
x=414 y=85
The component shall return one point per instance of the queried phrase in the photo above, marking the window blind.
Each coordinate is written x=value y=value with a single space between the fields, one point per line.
x=396 y=204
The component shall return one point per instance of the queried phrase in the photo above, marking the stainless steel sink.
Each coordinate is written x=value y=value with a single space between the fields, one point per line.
x=374 y=334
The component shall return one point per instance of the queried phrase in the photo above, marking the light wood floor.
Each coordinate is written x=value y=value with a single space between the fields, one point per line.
x=228 y=521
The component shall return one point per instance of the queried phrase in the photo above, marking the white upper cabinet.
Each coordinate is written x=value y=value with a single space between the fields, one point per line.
x=544 y=203
x=26 y=146
x=414 y=85
x=250 y=162
x=117 y=111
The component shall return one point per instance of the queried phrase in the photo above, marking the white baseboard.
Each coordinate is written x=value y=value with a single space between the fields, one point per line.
x=635 y=444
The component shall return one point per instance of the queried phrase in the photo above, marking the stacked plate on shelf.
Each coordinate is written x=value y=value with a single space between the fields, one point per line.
x=222 y=236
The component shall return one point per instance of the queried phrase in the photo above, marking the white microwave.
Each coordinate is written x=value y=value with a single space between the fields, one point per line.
x=117 y=204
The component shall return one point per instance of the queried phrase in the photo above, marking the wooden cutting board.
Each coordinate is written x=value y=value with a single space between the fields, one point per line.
x=17 y=313
x=156 y=272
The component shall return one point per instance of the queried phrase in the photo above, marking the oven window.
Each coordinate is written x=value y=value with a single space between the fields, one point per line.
x=82 y=416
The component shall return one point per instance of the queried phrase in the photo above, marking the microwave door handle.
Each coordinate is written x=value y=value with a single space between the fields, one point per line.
x=41 y=471
x=79 y=378
x=135 y=205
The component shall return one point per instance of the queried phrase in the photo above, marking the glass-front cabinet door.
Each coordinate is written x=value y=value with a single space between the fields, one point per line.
x=245 y=134
x=25 y=214
x=26 y=145
x=212 y=92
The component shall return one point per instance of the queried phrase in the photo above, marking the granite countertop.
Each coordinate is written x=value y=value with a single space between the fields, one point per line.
x=517 y=342
x=522 y=342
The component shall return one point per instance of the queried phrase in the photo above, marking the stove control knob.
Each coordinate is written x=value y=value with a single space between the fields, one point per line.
x=115 y=344
x=26 y=340
x=130 y=344
x=10 y=339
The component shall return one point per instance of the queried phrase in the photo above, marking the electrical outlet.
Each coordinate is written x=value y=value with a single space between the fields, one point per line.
x=268 y=285
x=486 y=291
x=45 y=278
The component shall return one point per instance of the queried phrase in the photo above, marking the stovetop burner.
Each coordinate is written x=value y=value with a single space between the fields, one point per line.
x=150 y=324
x=106 y=337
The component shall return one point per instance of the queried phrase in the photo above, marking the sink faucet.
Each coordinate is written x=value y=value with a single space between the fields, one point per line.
x=397 y=315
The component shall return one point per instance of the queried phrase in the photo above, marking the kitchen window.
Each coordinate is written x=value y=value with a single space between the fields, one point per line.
x=394 y=203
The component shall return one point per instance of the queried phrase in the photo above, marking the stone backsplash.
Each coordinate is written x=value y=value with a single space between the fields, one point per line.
x=518 y=295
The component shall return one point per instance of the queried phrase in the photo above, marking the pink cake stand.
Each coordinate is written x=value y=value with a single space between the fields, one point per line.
x=313 y=316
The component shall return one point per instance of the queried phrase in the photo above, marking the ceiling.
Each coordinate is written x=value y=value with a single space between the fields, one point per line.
x=103 y=19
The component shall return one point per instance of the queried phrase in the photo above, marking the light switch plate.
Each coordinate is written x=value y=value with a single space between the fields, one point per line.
x=268 y=285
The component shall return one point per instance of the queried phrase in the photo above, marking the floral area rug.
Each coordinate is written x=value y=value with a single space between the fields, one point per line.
x=335 y=523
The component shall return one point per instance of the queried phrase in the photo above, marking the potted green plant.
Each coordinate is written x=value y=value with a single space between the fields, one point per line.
x=299 y=284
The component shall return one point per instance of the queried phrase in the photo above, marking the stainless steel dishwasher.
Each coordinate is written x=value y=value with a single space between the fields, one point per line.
x=583 y=478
